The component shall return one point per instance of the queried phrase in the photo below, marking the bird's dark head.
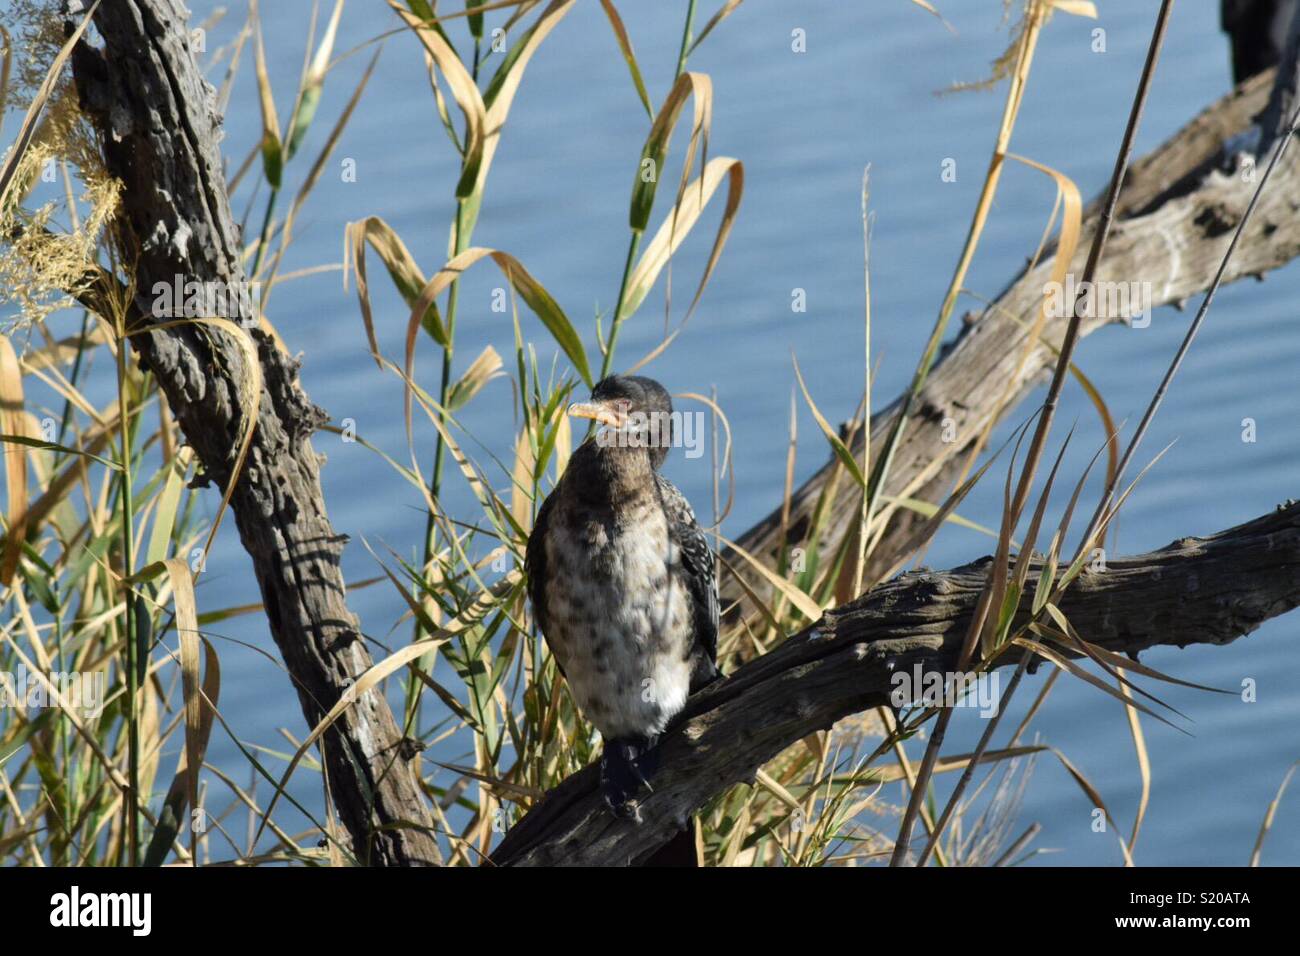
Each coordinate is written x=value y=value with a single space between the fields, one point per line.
x=637 y=413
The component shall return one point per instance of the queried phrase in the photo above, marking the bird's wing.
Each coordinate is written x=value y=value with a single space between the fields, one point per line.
x=697 y=560
x=535 y=565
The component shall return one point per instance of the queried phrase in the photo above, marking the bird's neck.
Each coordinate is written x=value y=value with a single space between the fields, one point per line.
x=621 y=476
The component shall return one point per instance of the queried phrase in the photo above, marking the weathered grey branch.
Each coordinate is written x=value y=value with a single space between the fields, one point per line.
x=1195 y=591
x=1176 y=215
x=159 y=131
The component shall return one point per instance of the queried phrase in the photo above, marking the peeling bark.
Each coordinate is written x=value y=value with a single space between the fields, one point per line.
x=159 y=132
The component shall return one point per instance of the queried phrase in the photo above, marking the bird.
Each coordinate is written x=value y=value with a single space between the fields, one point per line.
x=622 y=582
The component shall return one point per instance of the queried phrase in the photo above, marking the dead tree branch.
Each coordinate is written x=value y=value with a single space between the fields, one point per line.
x=159 y=131
x=1176 y=216
x=1195 y=591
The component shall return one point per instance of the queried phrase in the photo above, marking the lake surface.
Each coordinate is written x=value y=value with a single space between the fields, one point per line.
x=805 y=125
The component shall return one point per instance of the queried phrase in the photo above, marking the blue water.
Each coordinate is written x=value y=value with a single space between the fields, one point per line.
x=804 y=125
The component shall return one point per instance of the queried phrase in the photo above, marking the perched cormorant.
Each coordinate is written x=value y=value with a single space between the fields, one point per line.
x=622 y=583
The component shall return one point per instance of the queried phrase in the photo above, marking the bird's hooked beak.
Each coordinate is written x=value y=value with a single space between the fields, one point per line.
x=603 y=412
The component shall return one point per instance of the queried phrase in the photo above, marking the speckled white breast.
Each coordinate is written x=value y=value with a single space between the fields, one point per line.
x=621 y=620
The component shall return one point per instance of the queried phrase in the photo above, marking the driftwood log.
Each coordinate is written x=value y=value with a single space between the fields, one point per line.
x=1195 y=591
x=159 y=130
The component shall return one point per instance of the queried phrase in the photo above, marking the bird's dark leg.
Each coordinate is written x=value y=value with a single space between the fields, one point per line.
x=704 y=674
x=624 y=767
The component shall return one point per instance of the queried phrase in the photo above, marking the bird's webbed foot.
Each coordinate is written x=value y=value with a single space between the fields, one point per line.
x=624 y=768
